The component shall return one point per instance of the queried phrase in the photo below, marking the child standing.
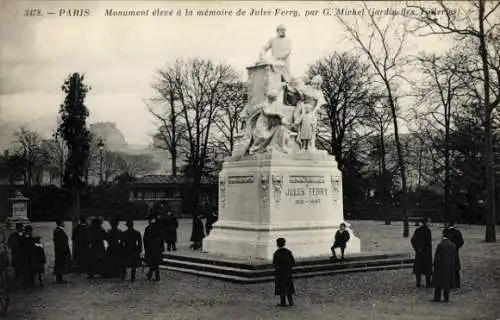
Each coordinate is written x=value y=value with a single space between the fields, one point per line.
x=306 y=126
x=341 y=238
x=283 y=262
x=39 y=260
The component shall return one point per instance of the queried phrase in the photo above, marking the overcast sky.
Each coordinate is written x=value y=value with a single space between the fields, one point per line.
x=119 y=55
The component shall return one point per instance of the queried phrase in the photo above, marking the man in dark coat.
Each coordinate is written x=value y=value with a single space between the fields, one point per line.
x=444 y=267
x=153 y=247
x=131 y=242
x=113 y=251
x=27 y=259
x=341 y=238
x=171 y=224
x=80 y=244
x=422 y=244
x=62 y=252
x=198 y=232
x=96 y=248
x=283 y=262
x=14 y=243
x=458 y=241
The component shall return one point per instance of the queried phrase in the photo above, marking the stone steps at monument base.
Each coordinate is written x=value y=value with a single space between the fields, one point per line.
x=298 y=269
x=205 y=259
x=270 y=278
x=265 y=272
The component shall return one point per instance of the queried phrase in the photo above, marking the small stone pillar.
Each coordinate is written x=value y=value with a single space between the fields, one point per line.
x=19 y=210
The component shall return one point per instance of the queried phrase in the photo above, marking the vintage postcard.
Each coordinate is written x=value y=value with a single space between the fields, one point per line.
x=209 y=159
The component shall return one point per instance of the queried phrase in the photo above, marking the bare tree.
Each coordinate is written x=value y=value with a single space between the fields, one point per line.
x=345 y=86
x=233 y=100
x=441 y=91
x=477 y=24
x=384 y=49
x=35 y=157
x=199 y=88
x=57 y=152
x=135 y=165
x=165 y=108
x=378 y=118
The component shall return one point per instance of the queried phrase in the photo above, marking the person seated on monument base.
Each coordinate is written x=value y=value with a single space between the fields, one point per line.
x=341 y=238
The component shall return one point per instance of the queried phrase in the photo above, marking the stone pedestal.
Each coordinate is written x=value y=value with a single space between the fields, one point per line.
x=266 y=196
x=19 y=209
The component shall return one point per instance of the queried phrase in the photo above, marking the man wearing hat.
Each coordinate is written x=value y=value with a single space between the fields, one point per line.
x=27 y=246
x=62 y=252
x=422 y=244
x=131 y=242
x=153 y=246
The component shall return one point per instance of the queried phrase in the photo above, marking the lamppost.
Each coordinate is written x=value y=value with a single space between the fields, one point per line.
x=100 y=145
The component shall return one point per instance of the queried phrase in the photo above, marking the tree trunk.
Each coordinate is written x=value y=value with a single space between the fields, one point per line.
x=386 y=185
x=401 y=165
x=75 y=214
x=447 y=171
x=490 y=234
x=174 y=163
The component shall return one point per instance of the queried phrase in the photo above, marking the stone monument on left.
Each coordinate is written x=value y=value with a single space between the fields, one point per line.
x=19 y=209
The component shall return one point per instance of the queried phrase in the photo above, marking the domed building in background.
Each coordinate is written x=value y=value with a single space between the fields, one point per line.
x=112 y=137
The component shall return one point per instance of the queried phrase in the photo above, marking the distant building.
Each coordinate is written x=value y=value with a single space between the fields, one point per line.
x=171 y=190
x=112 y=137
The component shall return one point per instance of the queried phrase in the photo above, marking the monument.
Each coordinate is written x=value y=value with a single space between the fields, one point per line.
x=276 y=183
x=19 y=209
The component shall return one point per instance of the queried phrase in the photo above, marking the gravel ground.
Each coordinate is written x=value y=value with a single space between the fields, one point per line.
x=374 y=295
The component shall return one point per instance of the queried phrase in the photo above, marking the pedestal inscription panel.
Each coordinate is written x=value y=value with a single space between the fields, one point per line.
x=262 y=200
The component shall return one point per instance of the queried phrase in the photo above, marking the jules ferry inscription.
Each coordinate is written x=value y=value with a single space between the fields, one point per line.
x=312 y=194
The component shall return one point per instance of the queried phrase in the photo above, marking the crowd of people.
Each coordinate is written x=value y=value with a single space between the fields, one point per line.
x=444 y=272
x=96 y=251
x=28 y=255
x=111 y=253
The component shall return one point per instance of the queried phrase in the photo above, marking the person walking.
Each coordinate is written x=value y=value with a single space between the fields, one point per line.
x=62 y=252
x=422 y=244
x=444 y=267
x=283 y=262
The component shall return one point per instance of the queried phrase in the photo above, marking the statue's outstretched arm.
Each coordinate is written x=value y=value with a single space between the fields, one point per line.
x=264 y=49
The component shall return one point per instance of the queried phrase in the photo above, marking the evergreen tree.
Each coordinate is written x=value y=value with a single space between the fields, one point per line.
x=73 y=129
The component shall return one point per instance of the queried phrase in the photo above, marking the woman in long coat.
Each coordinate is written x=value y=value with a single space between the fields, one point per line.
x=422 y=244
x=283 y=262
